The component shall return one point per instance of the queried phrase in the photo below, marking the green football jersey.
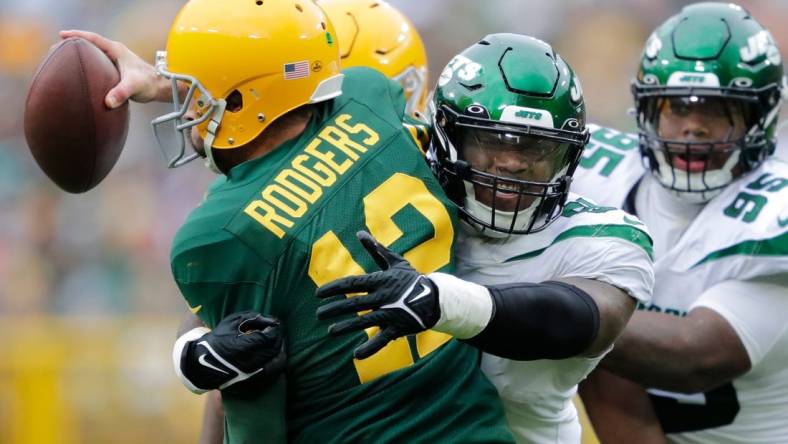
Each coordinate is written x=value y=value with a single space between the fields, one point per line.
x=281 y=225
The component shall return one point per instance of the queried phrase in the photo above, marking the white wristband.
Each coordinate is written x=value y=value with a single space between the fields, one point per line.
x=177 y=350
x=466 y=308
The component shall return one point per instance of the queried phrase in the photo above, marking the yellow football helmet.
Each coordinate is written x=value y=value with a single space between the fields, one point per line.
x=373 y=33
x=264 y=57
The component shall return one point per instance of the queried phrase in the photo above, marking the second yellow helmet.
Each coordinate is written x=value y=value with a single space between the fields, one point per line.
x=374 y=34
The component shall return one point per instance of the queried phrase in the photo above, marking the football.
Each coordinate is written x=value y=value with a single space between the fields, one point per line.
x=73 y=136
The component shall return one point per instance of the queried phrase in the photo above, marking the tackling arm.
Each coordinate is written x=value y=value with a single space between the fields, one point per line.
x=554 y=320
x=689 y=355
x=729 y=329
x=242 y=355
x=615 y=309
x=561 y=319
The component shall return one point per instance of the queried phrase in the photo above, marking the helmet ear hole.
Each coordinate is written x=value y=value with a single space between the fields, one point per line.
x=477 y=111
x=235 y=101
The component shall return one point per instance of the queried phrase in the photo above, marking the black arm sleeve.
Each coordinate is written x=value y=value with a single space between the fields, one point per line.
x=551 y=320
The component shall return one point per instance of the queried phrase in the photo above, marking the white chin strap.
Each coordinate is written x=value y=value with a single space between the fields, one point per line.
x=503 y=219
x=213 y=126
x=689 y=186
x=416 y=77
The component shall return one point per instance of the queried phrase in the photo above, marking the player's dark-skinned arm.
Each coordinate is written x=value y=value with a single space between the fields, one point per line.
x=620 y=410
x=692 y=354
x=212 y=431
x=614 y=307
x=190 y=322
x=555 y=319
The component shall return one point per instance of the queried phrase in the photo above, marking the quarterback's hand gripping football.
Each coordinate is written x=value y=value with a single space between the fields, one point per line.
x=138 y=79
x=402 y=300
x=242 y=355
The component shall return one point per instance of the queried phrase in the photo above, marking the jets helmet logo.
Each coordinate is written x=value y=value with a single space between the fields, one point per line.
x=653 y=46
x=760 y=44
x=465 y=68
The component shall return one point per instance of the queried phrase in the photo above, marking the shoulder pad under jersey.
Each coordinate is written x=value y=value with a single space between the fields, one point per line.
x=610 y=167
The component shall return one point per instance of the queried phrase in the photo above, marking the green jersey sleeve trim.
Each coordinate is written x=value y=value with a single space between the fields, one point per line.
x=775 y=246
x=625 y=232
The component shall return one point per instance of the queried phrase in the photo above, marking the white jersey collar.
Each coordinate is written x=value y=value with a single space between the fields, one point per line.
x=666 y=215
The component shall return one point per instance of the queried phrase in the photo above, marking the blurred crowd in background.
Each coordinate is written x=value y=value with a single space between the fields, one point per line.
x=104 y=255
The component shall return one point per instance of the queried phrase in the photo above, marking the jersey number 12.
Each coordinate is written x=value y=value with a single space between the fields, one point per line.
x=331 y=260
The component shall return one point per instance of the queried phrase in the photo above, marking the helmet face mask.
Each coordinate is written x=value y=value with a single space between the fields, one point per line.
x=197 y=97
x=497 y=151
x=707 y=98
x=697 y=142
x=414 y=83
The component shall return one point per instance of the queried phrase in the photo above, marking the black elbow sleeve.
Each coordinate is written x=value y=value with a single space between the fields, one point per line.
x=551 y=320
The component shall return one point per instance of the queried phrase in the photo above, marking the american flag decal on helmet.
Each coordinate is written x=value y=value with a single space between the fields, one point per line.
x=297 y=70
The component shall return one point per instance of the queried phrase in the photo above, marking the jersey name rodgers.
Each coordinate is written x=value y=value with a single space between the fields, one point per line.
x=281 y=225
x=587 y=241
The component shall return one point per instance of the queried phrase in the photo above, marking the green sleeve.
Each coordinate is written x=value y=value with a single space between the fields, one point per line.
x=268 y=424
x=219 y=275
x=213 y=301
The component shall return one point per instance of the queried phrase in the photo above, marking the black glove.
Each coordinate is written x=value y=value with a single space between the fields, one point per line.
x=241 y=356
x=403 y=301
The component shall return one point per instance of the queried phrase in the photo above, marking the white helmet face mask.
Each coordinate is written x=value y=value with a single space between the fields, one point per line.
x=516 y=220
x=503 y=220
x=684 y=185
x=210 y=109
x=505 y=167
x=412 y=81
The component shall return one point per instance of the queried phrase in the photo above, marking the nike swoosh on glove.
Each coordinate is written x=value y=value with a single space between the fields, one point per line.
x=241 y=356
x=402 y=300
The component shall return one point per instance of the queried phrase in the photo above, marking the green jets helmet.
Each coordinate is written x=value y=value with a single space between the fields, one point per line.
x=718 y=59
x=509 y=128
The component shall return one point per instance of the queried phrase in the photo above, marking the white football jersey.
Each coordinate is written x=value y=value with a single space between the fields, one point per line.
x=586 y=241
x=608 y=151
x=729 y=255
